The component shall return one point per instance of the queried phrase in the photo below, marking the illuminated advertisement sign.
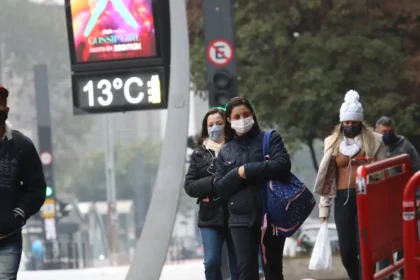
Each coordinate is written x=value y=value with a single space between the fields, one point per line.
x=107 y=30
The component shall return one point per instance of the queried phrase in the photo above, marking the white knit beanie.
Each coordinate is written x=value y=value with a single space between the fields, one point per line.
x=351 y=109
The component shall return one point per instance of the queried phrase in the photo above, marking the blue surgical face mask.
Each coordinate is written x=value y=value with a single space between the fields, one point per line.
x=215 y=132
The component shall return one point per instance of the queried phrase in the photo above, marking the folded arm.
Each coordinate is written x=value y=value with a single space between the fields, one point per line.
x=276 y=167
x=34 y=185
x=197 y=187
x=227 y=183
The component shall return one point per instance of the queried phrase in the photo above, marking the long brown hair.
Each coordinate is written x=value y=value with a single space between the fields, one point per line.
x=235 y=102
x=204 y=132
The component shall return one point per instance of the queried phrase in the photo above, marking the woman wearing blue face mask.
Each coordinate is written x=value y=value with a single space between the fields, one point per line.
x=213 y=214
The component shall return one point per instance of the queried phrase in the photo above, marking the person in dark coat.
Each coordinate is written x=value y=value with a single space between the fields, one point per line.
x=241 y=175
x=22 y=189
x=396 y=145
x=213 y=215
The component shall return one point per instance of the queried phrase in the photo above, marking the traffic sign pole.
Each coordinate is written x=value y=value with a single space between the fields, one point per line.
x=219 y=40
x=45 y=148
x=111 y=191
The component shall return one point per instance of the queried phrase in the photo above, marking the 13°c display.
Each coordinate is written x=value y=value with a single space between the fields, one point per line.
x=102 y=92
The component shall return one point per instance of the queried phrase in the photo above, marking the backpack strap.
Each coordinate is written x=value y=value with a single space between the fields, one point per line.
x=265 y=190
x=266 y=150
x=266 y=142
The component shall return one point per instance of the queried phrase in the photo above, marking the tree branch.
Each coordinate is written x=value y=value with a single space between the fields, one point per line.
x=310 y=143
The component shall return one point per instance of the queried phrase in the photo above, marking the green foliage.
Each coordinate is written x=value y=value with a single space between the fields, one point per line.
x=297 y=59
x=197 y=49
x=303 y=61
x=88 y=180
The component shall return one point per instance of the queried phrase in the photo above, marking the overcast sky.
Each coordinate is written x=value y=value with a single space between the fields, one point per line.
x=49 y=1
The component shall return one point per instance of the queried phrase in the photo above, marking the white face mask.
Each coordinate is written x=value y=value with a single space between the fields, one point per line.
x=243 y=125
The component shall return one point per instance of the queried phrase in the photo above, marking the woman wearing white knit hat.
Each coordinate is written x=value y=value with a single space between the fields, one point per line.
x=337 y=176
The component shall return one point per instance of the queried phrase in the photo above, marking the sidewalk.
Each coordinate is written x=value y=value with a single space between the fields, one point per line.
x=294 y=269
x=297 y=269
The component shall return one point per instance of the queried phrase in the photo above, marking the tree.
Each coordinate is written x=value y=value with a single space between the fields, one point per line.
x=87 y=179
x=88 y=182
x=296 y=60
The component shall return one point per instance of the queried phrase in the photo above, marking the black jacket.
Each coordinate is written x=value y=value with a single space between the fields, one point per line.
x=22 y=183
x=245 y=195
x=31 y=176
x=199 y=184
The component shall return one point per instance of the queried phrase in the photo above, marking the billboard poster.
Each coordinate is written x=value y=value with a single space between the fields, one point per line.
x=106 y=30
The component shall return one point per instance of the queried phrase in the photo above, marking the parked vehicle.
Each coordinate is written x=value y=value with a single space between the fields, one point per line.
x=307 y=236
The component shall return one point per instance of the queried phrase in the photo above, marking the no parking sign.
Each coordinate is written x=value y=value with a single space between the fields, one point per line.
x=220 y=52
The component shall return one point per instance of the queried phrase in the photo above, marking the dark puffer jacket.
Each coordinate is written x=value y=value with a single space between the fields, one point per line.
x=403 y=146
x=199 y=184
x=245 y=195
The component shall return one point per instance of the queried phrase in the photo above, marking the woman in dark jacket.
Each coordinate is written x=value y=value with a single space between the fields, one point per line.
x=213 y=215
x=241 y=175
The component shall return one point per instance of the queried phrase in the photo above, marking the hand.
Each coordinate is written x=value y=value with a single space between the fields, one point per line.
x=323 y=219
x=21 y=220
x=241 y=172
x=205 y=199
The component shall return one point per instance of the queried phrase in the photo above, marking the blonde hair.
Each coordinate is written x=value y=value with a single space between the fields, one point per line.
x=366 y=136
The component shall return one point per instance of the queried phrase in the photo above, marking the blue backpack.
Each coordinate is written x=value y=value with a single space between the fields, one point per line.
x=288 y=203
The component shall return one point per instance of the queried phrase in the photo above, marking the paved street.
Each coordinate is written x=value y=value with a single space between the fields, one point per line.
x=294 y=269
x=297 y=269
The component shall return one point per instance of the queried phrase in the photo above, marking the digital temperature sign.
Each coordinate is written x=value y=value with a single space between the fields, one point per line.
x=115 y=91
x=119 y=54
x=107 y=30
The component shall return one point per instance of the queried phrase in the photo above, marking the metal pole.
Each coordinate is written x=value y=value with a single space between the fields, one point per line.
x=219 y=37
x=142 y=195
x=42 y=101
x=111 y=192
x=219 y=40
x=191 y=126
x=157 y=232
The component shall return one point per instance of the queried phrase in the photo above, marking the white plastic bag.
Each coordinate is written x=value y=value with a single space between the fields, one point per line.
x=321 y=255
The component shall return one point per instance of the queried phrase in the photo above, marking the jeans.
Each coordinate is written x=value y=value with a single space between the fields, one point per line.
x=247 y=244
x=10 y=254
x=213 y=240
x=260 y=262
x=347 y=230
